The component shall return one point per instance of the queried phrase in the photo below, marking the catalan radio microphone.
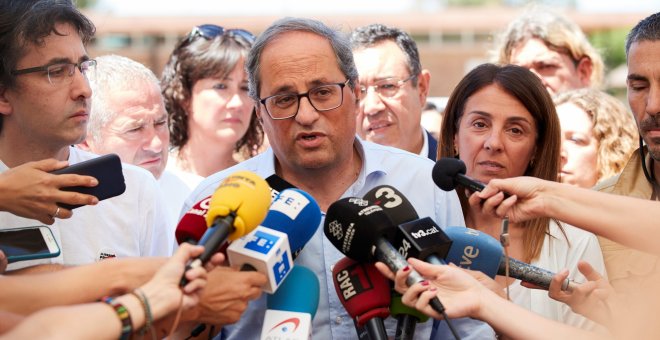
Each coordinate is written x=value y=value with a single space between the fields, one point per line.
x=419 y=238
x=292 y=308
x=192 y=225
x=362 y=232
x=270 y=249
x=407 y=318
x=450 y=172
x=365 y=294
x=472 y=249
x=238 y=205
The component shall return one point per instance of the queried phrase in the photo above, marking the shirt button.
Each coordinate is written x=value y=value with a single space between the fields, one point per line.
x=338 y=320
x=332 y=267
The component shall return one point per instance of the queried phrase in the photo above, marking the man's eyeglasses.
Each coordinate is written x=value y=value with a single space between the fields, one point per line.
x=60 y=73
x=322 y=98
x=388 y=87
x=209 y=31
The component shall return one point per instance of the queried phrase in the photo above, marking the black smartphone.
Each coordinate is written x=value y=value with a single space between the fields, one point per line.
x=21 y=244
x=106 y=169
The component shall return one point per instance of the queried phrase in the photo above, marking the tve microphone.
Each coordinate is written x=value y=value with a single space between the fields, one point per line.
x=292 y=308
x=238 y=205
x=362 y=232
x=450 y=172
x=472 y=249
x=271 y=248
x=407 y=318
x=192 y=225
x=419 y=238
x=365 y=294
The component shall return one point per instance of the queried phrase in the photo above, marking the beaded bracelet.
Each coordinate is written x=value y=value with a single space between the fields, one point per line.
x=124 y=317
x=148 y=317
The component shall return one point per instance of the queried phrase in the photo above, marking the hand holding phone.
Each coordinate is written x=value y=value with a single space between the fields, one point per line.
x=28 y=190
x=105 y=169
x=21 y=244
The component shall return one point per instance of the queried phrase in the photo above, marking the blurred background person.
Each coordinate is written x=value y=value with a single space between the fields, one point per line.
x=128 y=118
x=431 y=120
x=598 y=136
x=552 y=47
x=204 y=85
x=500 y=121
x=393 y=89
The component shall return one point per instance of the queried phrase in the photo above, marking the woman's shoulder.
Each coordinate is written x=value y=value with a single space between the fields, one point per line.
x=564 y=231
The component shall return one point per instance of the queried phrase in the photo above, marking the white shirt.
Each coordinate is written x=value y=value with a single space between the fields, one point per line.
x=556 y=254
x=128 y=225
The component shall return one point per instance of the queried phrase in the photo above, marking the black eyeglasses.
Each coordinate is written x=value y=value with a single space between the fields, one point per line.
x=323 y=98
x=210 y=31
x=60 y=73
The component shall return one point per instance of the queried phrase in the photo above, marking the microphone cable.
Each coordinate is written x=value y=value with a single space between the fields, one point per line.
x=504 y=240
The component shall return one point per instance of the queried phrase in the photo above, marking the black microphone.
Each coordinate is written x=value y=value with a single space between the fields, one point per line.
x=450 y=172
x=362 y=232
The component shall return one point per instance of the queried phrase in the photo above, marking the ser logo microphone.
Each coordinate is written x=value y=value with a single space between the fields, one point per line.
x=353 y=281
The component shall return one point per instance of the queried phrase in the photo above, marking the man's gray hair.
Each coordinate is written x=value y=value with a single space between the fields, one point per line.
x=648 y=29
x=113 y=73
x=337 y=40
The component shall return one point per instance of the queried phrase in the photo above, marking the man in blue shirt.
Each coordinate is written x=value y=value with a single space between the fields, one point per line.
x=304 y=83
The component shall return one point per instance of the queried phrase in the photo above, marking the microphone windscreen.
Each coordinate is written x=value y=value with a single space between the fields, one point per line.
x=295 y=213
x=353 y=225
x=472 y=249
x=395 y=204
x=244 y=193
x=398 y=308
x=298 y=293
x=445 y=171
x=362 y=290
x=193 y=223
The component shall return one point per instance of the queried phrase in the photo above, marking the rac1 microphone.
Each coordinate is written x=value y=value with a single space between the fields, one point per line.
x=450 y=172
x=238 y=205
x=472 y=249
x=271 y=248
x=292 y=308
x=365 y=294
x=192 y=225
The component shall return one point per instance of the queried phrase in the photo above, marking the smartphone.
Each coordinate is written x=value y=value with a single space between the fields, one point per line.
x=106 y=169
x=29 y=243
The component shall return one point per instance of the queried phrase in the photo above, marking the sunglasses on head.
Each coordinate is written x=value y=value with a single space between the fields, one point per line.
x=210 y=31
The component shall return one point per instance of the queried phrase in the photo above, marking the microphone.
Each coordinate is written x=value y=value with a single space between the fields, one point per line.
x=292 y=308
x=236 y=207
x=407 y=318
x=418 y=238
x=192 y=225
x=290 y=223
x=365 y=294
x=295 y=213
x=472 y=249
x=450 y=172
x=362 y=232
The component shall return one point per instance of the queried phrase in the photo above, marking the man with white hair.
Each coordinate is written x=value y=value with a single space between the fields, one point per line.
x=128 y=117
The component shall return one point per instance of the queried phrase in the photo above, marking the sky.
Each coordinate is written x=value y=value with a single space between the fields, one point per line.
x=300 y=7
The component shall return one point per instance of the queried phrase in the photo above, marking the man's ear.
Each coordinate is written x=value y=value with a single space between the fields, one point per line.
x=584 y=70
x=5 y=105
x=423 y=84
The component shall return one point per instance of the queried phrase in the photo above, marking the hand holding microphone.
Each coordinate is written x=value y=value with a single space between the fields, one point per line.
x=238 y=205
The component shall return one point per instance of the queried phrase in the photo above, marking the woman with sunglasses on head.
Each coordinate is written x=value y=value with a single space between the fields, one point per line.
x=205 y=87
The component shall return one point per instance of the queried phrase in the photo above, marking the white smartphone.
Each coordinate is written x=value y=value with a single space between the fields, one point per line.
x=29 y=243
